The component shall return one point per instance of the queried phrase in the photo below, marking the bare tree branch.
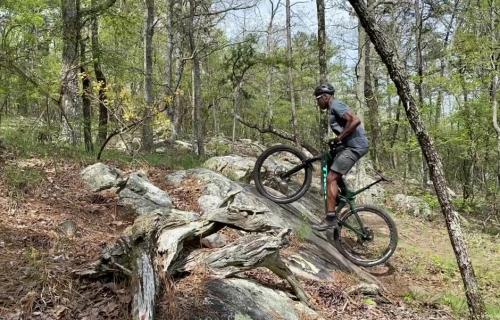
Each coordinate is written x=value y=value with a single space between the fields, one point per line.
x=278 y=132
x=214 y=13
x=97 y=9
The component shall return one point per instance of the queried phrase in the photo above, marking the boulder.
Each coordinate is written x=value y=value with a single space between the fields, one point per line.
x=361 y=175
x=144 y=197
x=100 y=176
x=414 y=206
x=184 y=146
x=234 y=167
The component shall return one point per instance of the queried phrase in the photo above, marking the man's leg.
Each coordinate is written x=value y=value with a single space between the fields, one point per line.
x=332 y=190
x=332 y=185
x=342 y=163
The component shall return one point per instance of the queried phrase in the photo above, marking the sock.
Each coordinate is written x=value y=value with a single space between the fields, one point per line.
x=331 y=216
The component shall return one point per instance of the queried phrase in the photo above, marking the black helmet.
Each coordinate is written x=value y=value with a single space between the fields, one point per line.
x=324 y=88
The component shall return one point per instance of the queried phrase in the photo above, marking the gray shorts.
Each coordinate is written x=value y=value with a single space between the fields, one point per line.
x=345 y=159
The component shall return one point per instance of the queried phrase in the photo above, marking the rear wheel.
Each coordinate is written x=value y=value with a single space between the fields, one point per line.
x=367 y=236
x=281 y=175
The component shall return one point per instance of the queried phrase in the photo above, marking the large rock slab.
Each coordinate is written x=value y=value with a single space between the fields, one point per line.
x=218 y=189
x=246 y=299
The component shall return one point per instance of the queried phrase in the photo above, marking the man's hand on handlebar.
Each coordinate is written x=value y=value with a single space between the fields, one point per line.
x=331 y=139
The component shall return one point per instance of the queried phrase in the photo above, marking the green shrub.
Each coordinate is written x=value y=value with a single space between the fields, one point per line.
x=457 y=304
x=431 y=200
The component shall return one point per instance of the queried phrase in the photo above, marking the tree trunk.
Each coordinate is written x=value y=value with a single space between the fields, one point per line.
x=395 y=135
x=171 y=61
x=87 y=107
x=474 y=299
x=196 y=80
x=147 y=130
x=494 y=105
x=420 y=76
x=101 y=80
x=323 y=71
x=442 y=63
x=70 y=100
x=236 y=106
x=360 y=73
x=291 y=90
x=197 y=105
x=372 y=104
x=494 y=88
x=270 y=68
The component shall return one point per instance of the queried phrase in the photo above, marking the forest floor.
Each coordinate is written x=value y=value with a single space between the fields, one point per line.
x=52 y=225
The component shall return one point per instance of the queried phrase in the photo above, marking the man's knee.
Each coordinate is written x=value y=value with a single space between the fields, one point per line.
x=333 y=177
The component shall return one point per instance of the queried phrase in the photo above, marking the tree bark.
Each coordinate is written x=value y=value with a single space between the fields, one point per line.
x=494 y=87
x=443 y=64
x=197 y=105
x=196 y=81
x=86 y=103
x=71 y=103
x=270 y=68
x=101 y=80
x=323 y=71
x=291 y=90
x=372 y=104
x=420 y=76
x=171 y=61
x=147 y=130
x=388 y=56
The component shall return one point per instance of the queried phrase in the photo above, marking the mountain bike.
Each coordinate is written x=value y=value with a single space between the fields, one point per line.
x=366 y=235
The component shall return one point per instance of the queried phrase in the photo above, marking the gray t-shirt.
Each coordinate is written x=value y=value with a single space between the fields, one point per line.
x=357 y=139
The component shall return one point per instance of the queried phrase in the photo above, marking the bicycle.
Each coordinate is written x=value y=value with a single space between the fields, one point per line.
x=362 y=230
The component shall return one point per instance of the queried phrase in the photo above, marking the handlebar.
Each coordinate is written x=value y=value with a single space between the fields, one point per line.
x=334 y=145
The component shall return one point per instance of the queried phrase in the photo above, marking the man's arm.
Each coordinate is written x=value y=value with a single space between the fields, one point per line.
x=352 y=122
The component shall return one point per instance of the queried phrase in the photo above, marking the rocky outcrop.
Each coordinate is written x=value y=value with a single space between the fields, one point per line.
x=164 y=242
x=414 y=206
x=235 y=167
x=134 y=191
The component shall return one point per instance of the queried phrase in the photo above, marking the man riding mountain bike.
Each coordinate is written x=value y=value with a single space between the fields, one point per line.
x=351 y=135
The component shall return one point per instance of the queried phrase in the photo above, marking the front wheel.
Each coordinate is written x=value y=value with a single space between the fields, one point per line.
x=281 y=174
x=367 y=235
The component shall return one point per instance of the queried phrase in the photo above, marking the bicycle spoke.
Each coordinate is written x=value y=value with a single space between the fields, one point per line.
x=367 y=237
x=282 y=174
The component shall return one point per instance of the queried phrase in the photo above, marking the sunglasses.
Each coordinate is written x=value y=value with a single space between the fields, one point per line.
x=319 y=97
